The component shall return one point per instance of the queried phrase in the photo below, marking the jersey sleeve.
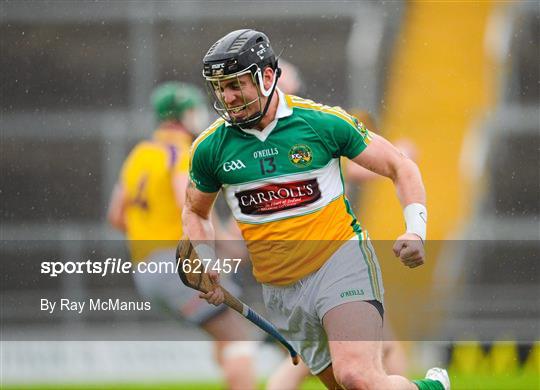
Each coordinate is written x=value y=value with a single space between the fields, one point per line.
x=350 y=135
x=201 y=171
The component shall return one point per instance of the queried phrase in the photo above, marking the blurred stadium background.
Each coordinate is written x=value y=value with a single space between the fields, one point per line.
x=460 y=79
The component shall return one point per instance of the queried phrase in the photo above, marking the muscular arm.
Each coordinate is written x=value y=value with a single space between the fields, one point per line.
x=196 y=219
x=384 y=159
x=197 y=224
x=357 y=174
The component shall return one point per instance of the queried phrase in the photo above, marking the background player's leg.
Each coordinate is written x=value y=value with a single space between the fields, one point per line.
x=355 y=332
x=288 y=376
x=234 y=351
x=394 y=356
x=228 y=329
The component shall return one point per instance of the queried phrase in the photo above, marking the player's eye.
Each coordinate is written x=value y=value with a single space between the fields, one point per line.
x=218 y=88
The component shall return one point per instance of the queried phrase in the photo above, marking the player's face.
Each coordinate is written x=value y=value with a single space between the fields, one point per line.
x=239 y=95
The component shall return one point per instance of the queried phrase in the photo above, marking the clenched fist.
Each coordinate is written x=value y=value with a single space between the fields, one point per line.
x=409 y=247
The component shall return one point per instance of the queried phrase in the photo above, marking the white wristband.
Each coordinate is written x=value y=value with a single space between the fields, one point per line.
x=416 y=219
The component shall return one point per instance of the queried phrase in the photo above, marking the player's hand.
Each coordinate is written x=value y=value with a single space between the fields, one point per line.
x=214 y=296
x=409 y=247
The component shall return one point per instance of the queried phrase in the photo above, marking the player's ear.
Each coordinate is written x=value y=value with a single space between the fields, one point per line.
x=268 y=77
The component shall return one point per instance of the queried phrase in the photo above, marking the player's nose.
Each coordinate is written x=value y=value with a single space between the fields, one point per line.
x=229 y=96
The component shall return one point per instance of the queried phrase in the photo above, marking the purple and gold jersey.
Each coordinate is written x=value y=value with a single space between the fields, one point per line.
x=152 y=212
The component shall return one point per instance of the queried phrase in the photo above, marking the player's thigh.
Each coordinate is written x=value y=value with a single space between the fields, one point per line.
x=292 y=310
x=354 y=333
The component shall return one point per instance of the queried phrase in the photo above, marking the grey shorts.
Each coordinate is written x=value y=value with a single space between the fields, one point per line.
x=165 y=289
x=351 y=274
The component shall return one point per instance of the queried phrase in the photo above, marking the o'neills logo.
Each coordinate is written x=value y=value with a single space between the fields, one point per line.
x=278 y=197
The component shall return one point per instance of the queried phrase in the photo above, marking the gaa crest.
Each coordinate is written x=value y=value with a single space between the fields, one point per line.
x=300 y=155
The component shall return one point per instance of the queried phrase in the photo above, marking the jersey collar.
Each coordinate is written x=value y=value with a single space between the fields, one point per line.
x=283 y=111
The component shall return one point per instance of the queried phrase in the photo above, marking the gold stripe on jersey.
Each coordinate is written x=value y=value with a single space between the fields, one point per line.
x=293 y=257
x=337 y=111
x=296 y=101
x=205 y=134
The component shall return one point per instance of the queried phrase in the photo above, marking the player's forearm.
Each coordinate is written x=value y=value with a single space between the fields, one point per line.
x=196 y=215
x=116 y=211
x=412 y=196
x=197 y=227
x=409 y=185
x=117 y=223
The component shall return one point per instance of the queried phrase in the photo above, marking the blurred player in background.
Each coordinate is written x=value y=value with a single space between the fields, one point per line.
x=289 y=376
x=146 y=205
x=276 y=158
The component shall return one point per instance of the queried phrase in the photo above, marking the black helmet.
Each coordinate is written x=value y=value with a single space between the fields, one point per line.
x=236 y=54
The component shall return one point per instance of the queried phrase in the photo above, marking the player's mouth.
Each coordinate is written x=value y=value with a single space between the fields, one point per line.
x=238 y=112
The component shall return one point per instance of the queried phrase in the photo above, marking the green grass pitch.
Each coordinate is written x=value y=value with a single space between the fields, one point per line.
x=461 y=382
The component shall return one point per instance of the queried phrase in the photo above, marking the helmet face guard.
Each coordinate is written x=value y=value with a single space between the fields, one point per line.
x=229 y=60
x=215 y=88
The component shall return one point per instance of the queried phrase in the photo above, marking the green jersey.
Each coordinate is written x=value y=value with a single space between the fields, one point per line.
x=284 y=183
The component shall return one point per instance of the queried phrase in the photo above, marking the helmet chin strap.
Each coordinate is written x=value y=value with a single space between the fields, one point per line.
x=267 y=93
